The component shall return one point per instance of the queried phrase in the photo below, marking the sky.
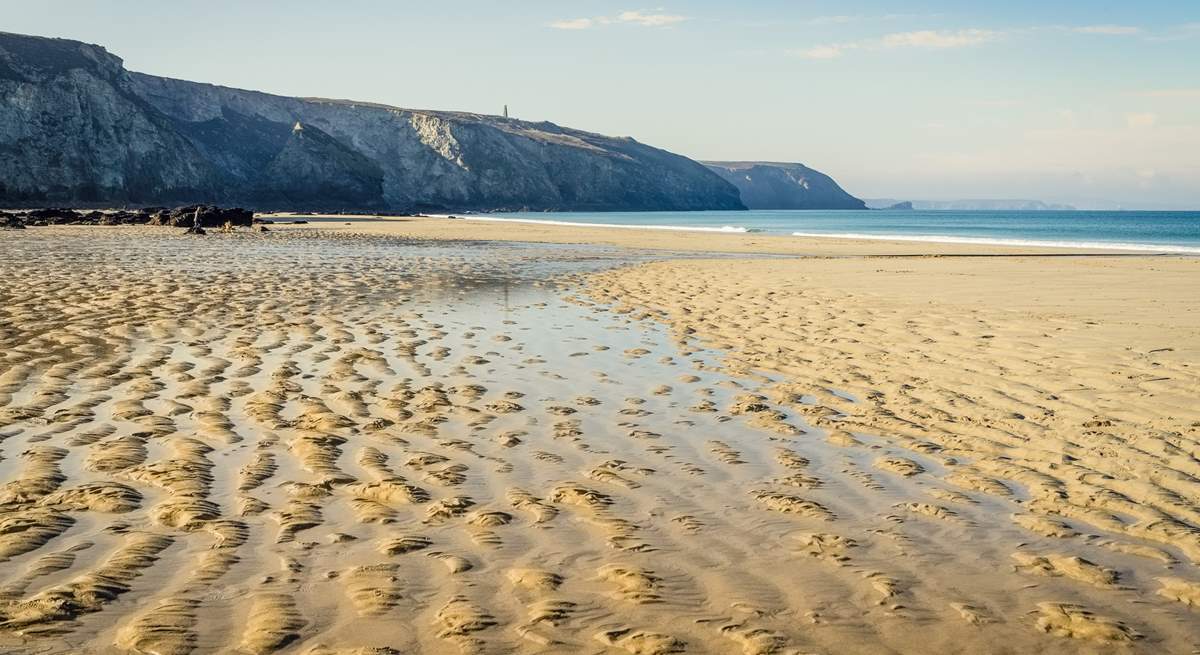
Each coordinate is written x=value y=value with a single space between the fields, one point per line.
x=1095 y=104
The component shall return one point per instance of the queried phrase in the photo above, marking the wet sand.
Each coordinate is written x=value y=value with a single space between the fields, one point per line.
x=667 y=240
x=354 y=438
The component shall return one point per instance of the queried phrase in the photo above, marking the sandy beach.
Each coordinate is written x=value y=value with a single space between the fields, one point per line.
x=359 y=436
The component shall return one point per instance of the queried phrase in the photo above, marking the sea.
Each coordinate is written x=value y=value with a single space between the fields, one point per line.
x=1152 y=231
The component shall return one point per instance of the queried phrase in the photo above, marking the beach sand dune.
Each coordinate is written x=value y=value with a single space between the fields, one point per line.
x=386 y=441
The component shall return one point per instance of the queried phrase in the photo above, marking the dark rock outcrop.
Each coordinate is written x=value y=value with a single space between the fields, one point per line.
x=56 y=216
x=772 y=185
x=78 y=129
x=208 y=216
x=59 y=216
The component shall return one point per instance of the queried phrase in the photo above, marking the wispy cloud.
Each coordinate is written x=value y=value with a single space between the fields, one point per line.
x=945 y=39
x=639 y=18
x=995 y=102
x=1108 y=30
x=1181 y=32
x=650 y=20
x=1141 y=120
x=822 y=52
x=831 y=20
x=573 y=24
x=925 y=39
x=1180 y=94
x=842 y=19
x=938 y=39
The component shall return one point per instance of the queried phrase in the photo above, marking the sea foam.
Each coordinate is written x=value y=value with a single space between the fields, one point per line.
x=984 y=241
x=729 y=229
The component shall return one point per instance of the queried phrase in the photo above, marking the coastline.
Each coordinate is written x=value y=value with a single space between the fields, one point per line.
x=679 y=240
x=921 y=228
x=321 y=374
x=1163 y=249
x=1086 y=284
x=438 y=436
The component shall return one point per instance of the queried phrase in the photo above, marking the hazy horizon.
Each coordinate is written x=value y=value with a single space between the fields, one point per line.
x=1093 y=107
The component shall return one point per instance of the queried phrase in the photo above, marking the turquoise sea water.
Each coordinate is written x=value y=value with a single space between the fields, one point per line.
x=1135 y=230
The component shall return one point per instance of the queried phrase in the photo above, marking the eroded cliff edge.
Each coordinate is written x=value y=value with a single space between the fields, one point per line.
x=77 y=128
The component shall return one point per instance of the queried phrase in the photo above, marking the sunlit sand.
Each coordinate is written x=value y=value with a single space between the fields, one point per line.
x=334 y=438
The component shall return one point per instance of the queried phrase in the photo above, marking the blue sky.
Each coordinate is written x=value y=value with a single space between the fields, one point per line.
x=1092 y=103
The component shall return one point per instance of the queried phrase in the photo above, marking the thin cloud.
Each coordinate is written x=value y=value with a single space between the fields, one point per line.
x=650 y=20
x=924 y=39
x=946 y=39
x=639 y=18
x=1171 y=93
x=1000 y=103
x=831 y=20
x=938 y=39
x=573 y=24
x=821 y=52
x=1177 y=33
x=842 y=19
x=1141 y=120
x=1108 y=30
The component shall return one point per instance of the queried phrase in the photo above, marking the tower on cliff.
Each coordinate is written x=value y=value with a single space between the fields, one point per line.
x=505 y=111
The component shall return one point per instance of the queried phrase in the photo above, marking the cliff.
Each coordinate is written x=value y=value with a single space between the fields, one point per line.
x=771 y=185
x=77 y=128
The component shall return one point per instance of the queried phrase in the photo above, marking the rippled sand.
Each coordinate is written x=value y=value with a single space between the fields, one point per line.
x=316 y=441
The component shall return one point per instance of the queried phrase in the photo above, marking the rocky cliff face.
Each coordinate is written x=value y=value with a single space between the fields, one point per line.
x=76 y=128
x=770 y=185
